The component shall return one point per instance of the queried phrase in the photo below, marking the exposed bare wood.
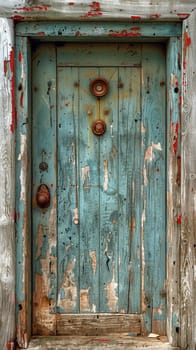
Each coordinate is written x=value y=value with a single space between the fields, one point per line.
x=7 y=186
x=113 y=341
x=98 y=324
x=188 y=236
x=134 y=9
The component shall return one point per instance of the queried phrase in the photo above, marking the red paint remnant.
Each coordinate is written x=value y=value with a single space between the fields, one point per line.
x=77 y=33
x=135 y=17
x=20 y=57
x=10 y=345
x=5 y=67
x=133 y=32
x=21 y=99
x=41 y=8
x=12 y=126
x=95 y=10
x=179 y=219
x=155 y=15
x=180 y=100
x=178 y=177
x=30 y=9
x=71 y=3
x=41 y=33
x=183 y=15
x=17 y=17
x=187 y=43
x=175 y=127
x=103 y=340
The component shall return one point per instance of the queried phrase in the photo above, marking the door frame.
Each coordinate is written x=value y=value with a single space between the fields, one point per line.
x=171 y=34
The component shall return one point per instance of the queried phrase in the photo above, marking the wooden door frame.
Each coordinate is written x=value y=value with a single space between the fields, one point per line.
x=171 y=34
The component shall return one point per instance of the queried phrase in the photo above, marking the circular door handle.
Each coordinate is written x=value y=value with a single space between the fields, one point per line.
x=99 y=87
x=43 y=196
x=99 y=127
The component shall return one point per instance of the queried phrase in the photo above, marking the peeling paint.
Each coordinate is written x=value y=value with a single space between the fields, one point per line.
x=186 y=44
x=23 y=158
x=134 y=32
x=75 y=216
x=69 y=297
x=112 y=298
x=93 y=260
x=149 y=156
x=106 y=175
x=84 y=300
x=85 y=174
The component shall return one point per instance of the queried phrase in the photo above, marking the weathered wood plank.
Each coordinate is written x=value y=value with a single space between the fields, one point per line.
x=188 y=189
x=109 y=182
x=173 y=189
x=7 y=186
x=88 y=154
x=112 y=341
x=154 y=172
x=98 y=324
x=68 y=206
x=114 y=31
x=23 y=193
x=44 y=260
x=85 y=10
x=92 y=55
x=130 y=174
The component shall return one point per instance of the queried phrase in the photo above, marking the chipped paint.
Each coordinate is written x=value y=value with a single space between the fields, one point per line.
x=106 y=175
x=23 y=158
x=85 y=175
x=84 y=300
x=67 y=295
x=147 y=13
x=111 y=290
x=134 y=32
x=149 y=156
x=186 y=44
x=93 y=257
x=75 y=216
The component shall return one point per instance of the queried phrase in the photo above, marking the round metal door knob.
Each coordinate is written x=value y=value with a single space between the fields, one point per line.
x=99 y=127
x=43 y=196
x=99 y=87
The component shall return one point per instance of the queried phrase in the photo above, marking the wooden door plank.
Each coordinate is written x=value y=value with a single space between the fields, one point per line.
x=91 y=54
x=129 y=189
x=154 y=190
x=68 y=228
x=89 y=194
x=98 y=324
x=109 y=244
x=44 y=221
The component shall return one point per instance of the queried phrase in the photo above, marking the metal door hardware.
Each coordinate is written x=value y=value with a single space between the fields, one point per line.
x=43 y=196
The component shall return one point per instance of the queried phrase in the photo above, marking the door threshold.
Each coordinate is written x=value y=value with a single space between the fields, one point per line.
x=112 y=341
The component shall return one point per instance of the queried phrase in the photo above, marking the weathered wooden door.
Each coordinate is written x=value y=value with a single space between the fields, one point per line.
x=99 y=161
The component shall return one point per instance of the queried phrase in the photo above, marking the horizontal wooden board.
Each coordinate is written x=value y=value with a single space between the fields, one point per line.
x=98 y=324
x=92 y=54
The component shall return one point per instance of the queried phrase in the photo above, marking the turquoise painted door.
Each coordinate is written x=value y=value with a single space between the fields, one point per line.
x=99 y=159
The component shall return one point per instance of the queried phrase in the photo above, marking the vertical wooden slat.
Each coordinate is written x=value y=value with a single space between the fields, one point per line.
x=23 y=192
x=109 y=240
x=173 y=189
x=44 y=221
x=89 y=194
x=129 y=189
x=154 y=172
x=68 y=198
x=7 y=184
x=188 y=189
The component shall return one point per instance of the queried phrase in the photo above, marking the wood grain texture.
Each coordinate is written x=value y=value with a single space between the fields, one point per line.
x=159 y=10
x=188 y=222
x=7 y=186
x=98 y=324
x=173 y=189
x=167 y=11
x=23 y=195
